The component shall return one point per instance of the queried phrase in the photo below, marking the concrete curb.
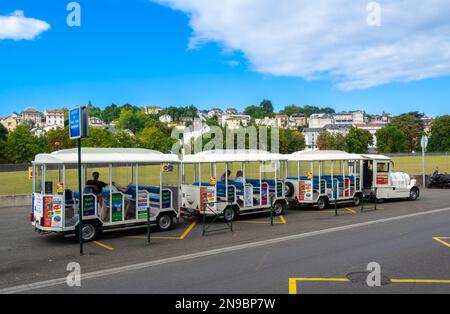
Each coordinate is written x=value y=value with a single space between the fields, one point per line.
x=15 y=201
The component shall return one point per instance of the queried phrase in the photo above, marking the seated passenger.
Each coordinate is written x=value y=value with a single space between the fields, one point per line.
x=225 y=176
x=96 y=184
x=239 y=177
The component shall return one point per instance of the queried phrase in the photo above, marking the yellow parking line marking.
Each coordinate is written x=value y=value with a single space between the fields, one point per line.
x=154 y=238
x=257 y=222
x=294 y=281
x=292 y=286
x=351 y=211
x=103 y=246
x=182 y=237
x=192 y=226
x=441 y=241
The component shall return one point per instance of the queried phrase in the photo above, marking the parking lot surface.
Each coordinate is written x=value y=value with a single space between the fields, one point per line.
x=409 y=248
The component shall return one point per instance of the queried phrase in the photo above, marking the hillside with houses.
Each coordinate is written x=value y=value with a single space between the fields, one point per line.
x=307 y=127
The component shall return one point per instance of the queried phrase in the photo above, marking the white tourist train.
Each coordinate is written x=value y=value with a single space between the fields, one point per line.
x=121 y=186
x=125 y=185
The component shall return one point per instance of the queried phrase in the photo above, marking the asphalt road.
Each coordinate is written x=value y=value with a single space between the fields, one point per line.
x=248 y=262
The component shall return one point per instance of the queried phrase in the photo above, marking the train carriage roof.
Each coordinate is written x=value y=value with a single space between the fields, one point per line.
x=222 y=156
x=324 y=155
x=106 y=156
x=376 y=157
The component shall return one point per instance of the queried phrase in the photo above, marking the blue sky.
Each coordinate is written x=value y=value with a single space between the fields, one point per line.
x=141 y=52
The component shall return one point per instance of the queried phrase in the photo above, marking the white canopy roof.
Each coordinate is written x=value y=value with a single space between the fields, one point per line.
x=222 y=156
x=106 y=156
x=376 y=157
x=323 y=155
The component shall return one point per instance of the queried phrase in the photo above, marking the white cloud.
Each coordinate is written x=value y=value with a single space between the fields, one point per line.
x=17 y=27
x=328 y=39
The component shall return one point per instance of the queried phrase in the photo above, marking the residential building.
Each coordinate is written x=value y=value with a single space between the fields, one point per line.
x=153 y=110
x=297 y=121
x=31 y=115
x=196 y=130
x=96 y=123
x=54 y=119
x=282 y=121
x=320 y=120
x=372 y=128
x=231 y=111
x=268 y=122
x=311 y=134
x=165 y=119
x=38 y=131
x=384 y=119
x=10 y=123
x=215 y=112
x=235 y=121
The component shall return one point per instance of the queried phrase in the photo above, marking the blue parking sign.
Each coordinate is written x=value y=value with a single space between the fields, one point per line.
x=78 y=121
x=75 y=123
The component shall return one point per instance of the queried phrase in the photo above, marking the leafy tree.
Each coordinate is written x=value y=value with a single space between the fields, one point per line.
x=159 y=125
x=124 y=140
x=132 y=120
x=214 y=121
x=266 y=107
x=42 y=143
x=59 y=139
x=99 y=138
x=94 y=111
x=255 y=112
x=110 y=113
x=306 y=110
x=21 y=146
x=412 y=126
x=180 y=112
x=440 y=135
x=153 y=138
x=358 y=140
x=3 y=158
x=325 y=141
x=3 y=137
x=291 y=141
x=340 y=142
x=3 y=133
x=391 y=140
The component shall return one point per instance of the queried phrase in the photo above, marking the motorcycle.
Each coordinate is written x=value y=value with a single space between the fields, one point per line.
x=439 y=180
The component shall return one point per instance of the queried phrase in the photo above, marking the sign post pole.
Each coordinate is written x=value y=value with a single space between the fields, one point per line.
x=80 y=211
x=78 y=129
x=424 y=144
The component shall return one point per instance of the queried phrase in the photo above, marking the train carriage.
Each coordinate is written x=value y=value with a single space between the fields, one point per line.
x=131 y=183
x=321 y=177
x=209 y=186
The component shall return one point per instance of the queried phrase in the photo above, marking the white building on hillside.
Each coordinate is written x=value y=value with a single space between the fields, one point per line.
x=165 y=119
x=152 y=110
x=54 y=119
x=372 y=128
x=31 y=115
x=96 y=123
x=235 y=121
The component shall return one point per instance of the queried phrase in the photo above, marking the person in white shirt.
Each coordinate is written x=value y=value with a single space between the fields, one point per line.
x=239 y=177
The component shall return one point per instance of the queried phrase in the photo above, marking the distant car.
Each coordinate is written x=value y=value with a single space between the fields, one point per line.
x=439 y=180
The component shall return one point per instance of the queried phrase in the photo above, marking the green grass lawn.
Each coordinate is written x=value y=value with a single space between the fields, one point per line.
x=17 y=183
x=413 y=164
